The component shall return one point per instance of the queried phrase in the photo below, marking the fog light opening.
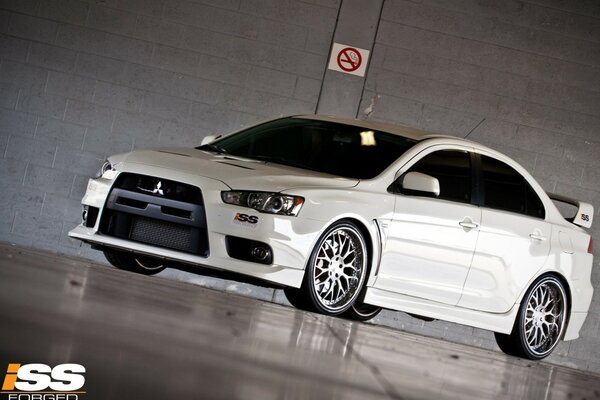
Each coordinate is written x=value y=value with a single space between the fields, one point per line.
x=248 y=250
x=89 y=215
x=84 y=215
x=260 y=253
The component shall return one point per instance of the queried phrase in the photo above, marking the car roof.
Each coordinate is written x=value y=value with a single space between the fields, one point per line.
x=411 y=133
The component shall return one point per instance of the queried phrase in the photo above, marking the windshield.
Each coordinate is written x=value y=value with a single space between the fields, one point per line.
x=323 y=146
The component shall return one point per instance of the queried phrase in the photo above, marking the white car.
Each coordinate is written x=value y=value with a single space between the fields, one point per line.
x=350 y=216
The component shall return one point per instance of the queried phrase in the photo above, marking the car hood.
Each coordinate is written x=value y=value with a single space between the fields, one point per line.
x=236 y=172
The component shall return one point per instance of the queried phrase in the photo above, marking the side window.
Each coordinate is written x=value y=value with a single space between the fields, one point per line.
x=506 y=189
x=452 y=168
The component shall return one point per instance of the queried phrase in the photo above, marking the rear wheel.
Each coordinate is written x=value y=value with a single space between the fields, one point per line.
x=129 y=262
x=540 y=323
x=336 y=269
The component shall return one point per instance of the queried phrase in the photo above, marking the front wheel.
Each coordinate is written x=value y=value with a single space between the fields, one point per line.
x=540 y=323
x=361 y=312
x=336 y=270
x=297 y=298
x=129 y=262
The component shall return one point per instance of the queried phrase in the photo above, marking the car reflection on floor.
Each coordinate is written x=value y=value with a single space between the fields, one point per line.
x=141 y=337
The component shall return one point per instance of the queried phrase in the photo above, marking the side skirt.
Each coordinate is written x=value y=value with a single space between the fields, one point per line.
x=501 y=323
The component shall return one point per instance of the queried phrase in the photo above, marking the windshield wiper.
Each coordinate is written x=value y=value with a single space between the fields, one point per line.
x=212 y=148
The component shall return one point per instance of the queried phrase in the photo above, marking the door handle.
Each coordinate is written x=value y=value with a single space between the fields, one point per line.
x=468 y=224
x=537 y=236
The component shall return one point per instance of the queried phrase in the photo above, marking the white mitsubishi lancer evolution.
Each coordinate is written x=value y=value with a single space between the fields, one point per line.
x=349 y=217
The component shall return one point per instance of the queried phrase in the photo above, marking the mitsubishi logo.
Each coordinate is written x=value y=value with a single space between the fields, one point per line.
x=157 y=189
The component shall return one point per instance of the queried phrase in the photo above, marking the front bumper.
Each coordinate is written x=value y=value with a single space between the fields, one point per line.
x=290 y=238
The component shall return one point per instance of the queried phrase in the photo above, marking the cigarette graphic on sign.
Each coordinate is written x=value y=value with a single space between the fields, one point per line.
x=348 y=59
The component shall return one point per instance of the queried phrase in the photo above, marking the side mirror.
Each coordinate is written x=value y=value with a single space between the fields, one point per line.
x=418 y=182
x=208 y=139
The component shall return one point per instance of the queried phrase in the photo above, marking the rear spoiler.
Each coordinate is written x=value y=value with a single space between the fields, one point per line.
x=585 y=211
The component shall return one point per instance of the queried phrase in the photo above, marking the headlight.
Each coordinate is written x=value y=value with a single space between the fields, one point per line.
x=272 y=203
x=107 y=166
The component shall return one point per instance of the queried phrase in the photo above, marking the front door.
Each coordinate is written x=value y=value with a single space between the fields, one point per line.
x=431 y=240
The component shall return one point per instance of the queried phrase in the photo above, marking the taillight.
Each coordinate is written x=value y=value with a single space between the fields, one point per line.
x=591 y=246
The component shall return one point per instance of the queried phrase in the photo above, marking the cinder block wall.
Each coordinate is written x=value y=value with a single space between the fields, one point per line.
x=80 y=80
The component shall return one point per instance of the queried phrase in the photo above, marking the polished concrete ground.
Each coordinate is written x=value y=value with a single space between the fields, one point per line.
x=150 y=338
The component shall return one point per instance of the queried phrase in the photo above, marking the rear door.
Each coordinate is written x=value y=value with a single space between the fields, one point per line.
x=513 y=243
x=431 y=241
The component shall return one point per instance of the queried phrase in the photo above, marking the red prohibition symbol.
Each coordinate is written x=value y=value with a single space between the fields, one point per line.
x=349 y=59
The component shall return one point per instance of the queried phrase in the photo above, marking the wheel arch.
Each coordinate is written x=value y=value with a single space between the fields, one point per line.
x=362 y=230
x=367 y=234
x=370 y=235
x=566 y=286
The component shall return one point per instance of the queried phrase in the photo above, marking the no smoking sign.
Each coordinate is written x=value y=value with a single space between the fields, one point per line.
x=348 y=59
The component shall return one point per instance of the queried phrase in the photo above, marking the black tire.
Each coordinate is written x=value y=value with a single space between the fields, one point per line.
x=361 y=312
x=139 y=264
x=337 y=269
x=297 y=298
x=540 y=323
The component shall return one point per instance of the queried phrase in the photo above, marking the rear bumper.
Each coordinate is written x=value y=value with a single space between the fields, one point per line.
x=576 y=321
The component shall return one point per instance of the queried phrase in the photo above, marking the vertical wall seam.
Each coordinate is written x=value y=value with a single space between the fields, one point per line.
x=337 y=18
x=362 y=92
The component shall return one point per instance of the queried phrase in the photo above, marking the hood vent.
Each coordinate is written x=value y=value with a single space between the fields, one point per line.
x=172 y=152
x=235 y=165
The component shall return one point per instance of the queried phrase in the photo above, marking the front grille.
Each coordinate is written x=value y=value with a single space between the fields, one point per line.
x=158 y=187
x=161 y=233
x=158 y=212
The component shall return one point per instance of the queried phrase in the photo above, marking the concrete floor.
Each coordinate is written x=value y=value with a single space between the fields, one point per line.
x=147 y=337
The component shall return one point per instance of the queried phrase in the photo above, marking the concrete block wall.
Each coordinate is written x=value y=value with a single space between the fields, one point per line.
x=82 y=79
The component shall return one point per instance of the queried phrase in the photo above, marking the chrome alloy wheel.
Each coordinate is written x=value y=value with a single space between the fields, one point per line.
x=339 y=268
x=544 y=317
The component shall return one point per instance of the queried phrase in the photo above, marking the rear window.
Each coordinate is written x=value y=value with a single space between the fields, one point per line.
x=506 y=189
